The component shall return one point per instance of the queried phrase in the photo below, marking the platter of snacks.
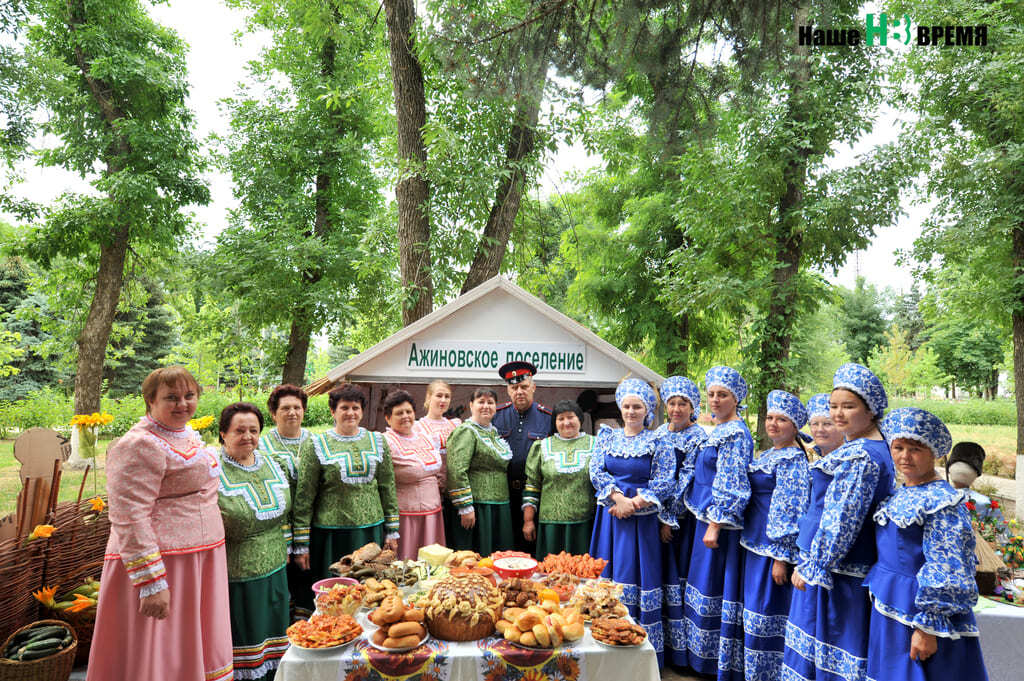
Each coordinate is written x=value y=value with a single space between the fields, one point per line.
x=341 y=599
x=370 y=561
x=466 y=559
x=541 y=626
x=462 y=608
x=599 y=599
x=519 y=593
x=324 y=632
x=617 y=632
x=400 y=627
x=377 y=590
x=563 y=583
x=583 y=566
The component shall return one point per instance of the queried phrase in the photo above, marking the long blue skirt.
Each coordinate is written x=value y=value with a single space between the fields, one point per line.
x=675 y=565
x=765 y=612
x=633 y=551
x=827 y=632
x=714 y=605
x=889 y=655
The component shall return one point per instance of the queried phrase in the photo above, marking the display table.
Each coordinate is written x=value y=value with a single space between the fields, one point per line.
x=1001 y=628
x=491 y=659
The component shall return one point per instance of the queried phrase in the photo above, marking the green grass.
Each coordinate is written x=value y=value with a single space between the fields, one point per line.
x=10 y=482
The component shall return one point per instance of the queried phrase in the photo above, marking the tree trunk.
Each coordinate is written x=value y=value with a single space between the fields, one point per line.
x=412 y=192
x=679 y=367
x=294 y=371
x=781 y=317
x=490 y=250
x=1018 y=361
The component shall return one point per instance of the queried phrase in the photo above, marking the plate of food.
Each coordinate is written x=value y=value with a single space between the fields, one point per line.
x=340 y=598
x=535 y=627
x=562 y=583
x=617 y=632
x=324 y=632
x=583 y=566
x=599 y=599
x=380 y=640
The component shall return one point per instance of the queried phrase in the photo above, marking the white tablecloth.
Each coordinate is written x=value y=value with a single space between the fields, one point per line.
x=473 y=661
x=1002 y=641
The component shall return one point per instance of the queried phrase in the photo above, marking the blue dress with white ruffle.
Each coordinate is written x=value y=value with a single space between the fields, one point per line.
x=780 y=483
x=827 y=631
x=924 y=579
x=633 y=465
x=713 y=597
x=685 y=444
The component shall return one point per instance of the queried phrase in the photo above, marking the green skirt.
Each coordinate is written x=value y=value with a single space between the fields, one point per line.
x=259 y=620
x=492 y=532
x=571 y=537
x=326 y=545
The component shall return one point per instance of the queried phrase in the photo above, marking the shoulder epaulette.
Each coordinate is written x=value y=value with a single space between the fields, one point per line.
x=505 y=406
x=542 y=408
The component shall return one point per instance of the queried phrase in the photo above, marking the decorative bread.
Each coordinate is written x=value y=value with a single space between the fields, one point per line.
x=463 y=608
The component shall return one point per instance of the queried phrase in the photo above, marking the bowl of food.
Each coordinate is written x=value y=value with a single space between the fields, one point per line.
x=515 y=566
x=340 y=599
x=324 y=585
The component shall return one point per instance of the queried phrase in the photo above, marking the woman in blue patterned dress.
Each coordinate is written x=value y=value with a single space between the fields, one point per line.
x=633 y=479
x=780 y=484
x=923 y=588
x=717 y=496
x=827 y=438
x=683 y=438
x=827 y=631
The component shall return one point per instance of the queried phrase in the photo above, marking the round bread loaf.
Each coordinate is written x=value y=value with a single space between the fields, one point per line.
x=463 y=608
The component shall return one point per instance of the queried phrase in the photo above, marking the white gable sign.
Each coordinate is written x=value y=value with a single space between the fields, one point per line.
x=460 y=355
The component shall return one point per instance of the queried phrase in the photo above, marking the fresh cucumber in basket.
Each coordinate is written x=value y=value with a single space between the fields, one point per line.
x=38 y=642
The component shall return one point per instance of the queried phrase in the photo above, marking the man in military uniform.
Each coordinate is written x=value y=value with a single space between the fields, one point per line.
x=520 y=422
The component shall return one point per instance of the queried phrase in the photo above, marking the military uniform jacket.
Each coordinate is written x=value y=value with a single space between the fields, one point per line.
x=520 y=431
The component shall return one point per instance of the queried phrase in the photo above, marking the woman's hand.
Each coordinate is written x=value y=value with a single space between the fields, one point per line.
x=711 y=536
x=798 y=581
x=922 y=645
x=156 y=605
x=639 y=503
x=666 y=533
x=301 y=560
x=529 y=530
x=623 y=507
x=779 y=572
x=468 y=520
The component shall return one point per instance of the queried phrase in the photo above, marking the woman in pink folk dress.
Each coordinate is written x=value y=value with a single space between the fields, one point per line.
x=163 y=615
x=419 y=476
x=435 y=425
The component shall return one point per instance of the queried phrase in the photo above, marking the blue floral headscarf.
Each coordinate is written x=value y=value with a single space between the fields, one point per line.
x=859 y=379
x=923 y=426
x=634 y=387
x=730 y=379
x=790 y=406
x=681 y=386
x=818 y=406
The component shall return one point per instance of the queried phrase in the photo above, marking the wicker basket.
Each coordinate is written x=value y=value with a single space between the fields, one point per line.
x=82 y=622
x=21 y=573
x=53 y=668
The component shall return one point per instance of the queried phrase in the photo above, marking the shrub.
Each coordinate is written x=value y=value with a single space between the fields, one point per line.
x=44 y=408
x=973 y=412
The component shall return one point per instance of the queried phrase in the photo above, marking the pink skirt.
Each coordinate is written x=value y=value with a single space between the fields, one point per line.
x=419 y=529
x=192 y=644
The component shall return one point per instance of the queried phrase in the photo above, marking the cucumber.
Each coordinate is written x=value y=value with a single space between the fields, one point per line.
x=36 y=654
x=66 y=641
x=40 y=645
x=48 y=631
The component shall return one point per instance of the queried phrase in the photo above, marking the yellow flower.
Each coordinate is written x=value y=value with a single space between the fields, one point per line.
x=201 y=423
x=97 y=504
x=93 y=419
x=45 y=596
x=82 y=602
x=42 y=532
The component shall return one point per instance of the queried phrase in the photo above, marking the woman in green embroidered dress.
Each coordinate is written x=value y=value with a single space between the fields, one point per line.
x=287 y=407
x=558 y=484
x=477 y=483
x=346 y=496
x=254 y=499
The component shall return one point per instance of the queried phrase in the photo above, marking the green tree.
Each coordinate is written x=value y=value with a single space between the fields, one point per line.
x=970 y=124
x=114 y=85
x=298 y=252
x=20 y=310
x=863 y=320
x=893 y=362
x=150 y=338
x=970 y=351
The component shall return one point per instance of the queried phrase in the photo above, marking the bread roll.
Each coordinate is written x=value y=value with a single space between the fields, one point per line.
x=512 y=634
x=405 y=629
x=379 y=636
x=413 y=615
x=574 y=631
x=528 y=639
x=543 y=638
x=403 y=642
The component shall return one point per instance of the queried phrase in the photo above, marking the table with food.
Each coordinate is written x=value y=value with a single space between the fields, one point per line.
x=458 y=615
